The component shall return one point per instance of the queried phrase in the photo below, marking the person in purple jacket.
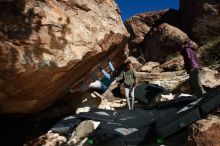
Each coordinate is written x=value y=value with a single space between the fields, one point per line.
x=192 y=66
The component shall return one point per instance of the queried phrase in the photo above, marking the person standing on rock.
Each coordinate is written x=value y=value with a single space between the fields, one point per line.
x=192 y=66
x=129 y=78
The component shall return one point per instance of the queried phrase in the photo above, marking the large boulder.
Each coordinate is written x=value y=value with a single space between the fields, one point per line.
x=46 y=46
x=49 y=139
x=139 y=25
x=210 y=78
x=136 y=64
x=175 y=64
x=190 y=10
x=163 y=41
x=82 y=131
x=205 y=132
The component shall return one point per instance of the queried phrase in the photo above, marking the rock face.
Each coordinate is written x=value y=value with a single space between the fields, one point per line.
x=46 y=46
x=139 y=25
x=192 y=9
x=149 y=66
x=205 y=132
x=162 y=41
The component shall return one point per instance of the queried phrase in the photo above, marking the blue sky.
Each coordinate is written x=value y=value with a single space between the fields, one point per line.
x=131 y=7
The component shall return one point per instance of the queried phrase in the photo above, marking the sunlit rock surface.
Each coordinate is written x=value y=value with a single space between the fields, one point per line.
x=205 y=132
x=47 y=46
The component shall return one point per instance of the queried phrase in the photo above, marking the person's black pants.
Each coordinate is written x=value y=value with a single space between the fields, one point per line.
x=195 y=82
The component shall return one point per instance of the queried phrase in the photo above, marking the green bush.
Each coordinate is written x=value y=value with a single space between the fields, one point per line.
x=206 y=31
x=211 y=56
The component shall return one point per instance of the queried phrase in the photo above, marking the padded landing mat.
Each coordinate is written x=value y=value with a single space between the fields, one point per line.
x=146 y=92
x=99 y=115
x=65 y=125
x=142 y=125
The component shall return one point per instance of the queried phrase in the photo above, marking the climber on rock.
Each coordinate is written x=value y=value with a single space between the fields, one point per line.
x=95 y=83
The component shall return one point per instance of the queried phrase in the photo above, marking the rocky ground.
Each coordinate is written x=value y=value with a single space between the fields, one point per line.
x=33 y=130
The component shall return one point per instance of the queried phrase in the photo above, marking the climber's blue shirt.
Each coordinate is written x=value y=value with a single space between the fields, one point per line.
x=106 y=82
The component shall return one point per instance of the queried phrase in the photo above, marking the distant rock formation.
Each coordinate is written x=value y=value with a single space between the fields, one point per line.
x=190 y=10
x=139 y=25
x=46 y=46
